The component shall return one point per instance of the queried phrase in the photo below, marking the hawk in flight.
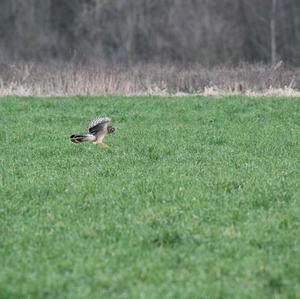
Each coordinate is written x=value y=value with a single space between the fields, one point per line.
x=96 y=131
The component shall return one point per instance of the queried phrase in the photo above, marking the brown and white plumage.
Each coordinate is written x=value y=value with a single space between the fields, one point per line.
x=96 y=131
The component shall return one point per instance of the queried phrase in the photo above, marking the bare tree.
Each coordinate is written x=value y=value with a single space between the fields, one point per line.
x=273 y=32
x=209 y=32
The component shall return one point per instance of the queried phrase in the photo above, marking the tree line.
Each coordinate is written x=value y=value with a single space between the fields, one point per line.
x=208 y=32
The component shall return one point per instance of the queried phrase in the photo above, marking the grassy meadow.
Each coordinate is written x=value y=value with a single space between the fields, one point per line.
x=196 y=197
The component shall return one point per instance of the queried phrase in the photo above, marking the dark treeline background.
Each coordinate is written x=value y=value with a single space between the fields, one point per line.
x=208 y=32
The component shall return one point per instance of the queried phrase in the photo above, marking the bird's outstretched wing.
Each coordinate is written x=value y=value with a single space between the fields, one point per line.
x=98 y=124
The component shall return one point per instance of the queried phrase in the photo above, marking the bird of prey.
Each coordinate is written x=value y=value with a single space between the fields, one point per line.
x=96 y=131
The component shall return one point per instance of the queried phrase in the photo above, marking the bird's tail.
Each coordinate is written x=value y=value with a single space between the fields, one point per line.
x=77 y=138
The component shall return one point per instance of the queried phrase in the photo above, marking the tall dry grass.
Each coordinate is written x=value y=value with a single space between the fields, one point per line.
x=62 y=79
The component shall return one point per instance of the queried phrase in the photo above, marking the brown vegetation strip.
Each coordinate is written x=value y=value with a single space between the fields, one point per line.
x=66 y=79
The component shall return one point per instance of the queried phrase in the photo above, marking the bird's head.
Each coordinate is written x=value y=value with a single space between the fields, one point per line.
x=110 y=129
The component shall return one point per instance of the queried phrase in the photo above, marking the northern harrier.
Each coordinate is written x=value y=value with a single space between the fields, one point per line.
x=96 y=131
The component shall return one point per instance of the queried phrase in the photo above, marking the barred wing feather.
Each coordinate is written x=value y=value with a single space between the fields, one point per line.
x=96 y=125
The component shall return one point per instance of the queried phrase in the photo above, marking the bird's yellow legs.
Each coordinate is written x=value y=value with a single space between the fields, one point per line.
x=103 y=145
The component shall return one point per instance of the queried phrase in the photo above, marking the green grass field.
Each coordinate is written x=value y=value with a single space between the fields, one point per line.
x=195 y=198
